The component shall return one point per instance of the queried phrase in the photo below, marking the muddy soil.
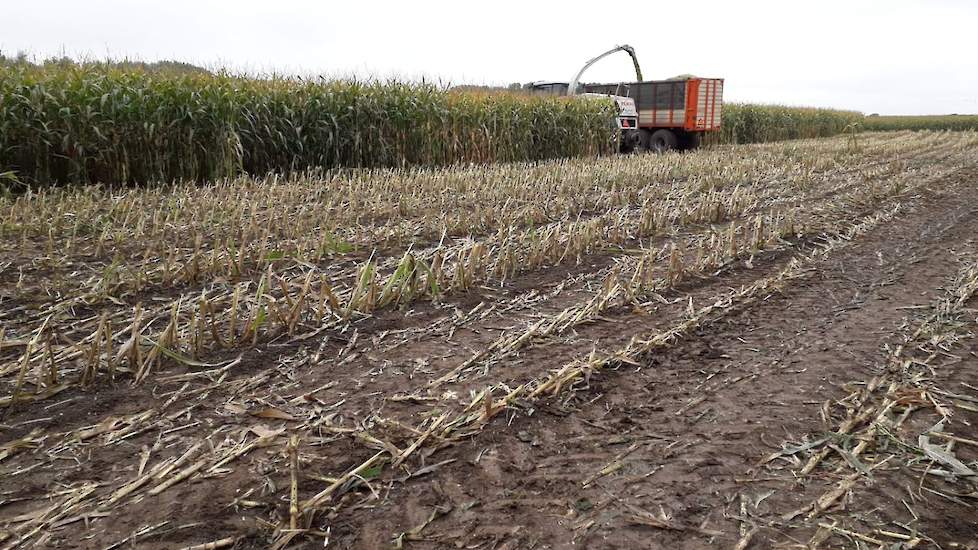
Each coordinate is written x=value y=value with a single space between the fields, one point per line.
x=681 y=435
x=663 y=452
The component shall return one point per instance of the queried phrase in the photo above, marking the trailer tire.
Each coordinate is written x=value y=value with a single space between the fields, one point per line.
x=663 y=140
x=691 y=141
x=643 y=143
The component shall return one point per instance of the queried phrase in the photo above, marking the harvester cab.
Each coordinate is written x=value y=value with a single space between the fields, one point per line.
x=627 y=112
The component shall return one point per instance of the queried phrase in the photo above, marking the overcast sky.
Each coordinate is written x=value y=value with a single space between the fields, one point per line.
x=891 y=57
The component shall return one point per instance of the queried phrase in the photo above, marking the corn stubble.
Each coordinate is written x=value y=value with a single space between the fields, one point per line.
x=182 y=273
x=177 y=284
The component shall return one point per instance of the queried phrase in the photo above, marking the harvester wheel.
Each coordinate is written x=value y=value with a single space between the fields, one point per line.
x=662 y=141
x=630 y=140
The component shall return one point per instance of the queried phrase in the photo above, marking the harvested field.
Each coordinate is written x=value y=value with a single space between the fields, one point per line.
x=755 y=346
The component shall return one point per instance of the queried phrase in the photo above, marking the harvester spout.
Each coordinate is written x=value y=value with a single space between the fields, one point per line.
x=572 y=88
x=631 y=52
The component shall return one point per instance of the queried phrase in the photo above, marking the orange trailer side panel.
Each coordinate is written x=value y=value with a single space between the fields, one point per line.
x=704 y=104
x=693 y=104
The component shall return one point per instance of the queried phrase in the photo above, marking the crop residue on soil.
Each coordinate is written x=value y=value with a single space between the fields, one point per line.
x=745 y=347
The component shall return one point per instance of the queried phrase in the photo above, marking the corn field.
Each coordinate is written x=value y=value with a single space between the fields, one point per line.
x=937 y=122
x=80 y=124
x=454 y=356
x=66 y=123
x=747 y=123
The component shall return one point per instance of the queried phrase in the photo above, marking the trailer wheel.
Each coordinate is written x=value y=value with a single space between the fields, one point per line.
x=691 y=141
x=662 y=141
x=643 y=140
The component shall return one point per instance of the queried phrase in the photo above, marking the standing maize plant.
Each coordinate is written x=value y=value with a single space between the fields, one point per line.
x=746 y=123
x=962 y=123
x=97 y=123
